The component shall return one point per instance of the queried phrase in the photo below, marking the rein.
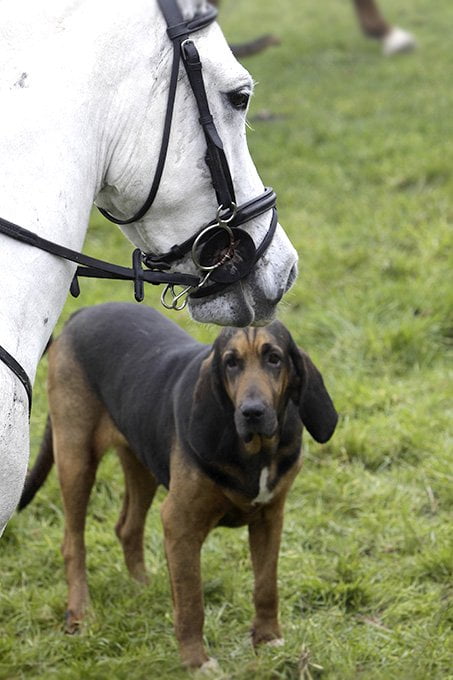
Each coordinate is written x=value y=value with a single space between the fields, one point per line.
x=222 y=252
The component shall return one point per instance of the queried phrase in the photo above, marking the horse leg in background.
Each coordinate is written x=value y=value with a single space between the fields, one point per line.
x=253 y=46
x=374 y=25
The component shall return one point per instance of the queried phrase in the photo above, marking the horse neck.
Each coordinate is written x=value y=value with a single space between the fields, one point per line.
x=61 y=120
x=52 y=165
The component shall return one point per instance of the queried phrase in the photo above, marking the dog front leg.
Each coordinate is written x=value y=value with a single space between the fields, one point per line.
x=183 y=542
x=264 y=539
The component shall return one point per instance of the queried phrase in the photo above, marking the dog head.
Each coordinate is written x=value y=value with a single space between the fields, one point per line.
x=250 y=376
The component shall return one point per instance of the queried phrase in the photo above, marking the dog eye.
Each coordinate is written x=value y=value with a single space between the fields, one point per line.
x=274 y=359
x=231 y=361
x=239 y=99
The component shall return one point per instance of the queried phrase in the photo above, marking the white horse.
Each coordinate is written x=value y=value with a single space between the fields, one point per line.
x=83 y=87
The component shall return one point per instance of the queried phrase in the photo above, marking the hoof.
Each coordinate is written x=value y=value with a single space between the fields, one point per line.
x=397 y=41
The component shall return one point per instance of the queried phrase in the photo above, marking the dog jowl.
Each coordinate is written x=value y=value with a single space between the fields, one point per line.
x=219 y=426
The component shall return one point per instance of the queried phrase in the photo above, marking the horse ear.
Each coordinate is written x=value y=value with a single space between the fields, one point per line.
x=316 y=408
x=210 y=406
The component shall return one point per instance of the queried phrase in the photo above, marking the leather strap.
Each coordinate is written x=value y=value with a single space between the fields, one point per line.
x=92 y=267
x=163 y=149
x=17 y=369
x=177 y=30
x=215 y=155
x=247 y=211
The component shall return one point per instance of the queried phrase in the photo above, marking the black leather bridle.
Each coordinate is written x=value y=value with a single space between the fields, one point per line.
x=222 y=252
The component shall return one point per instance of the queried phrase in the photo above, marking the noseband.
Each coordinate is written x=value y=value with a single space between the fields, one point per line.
x=221 y=251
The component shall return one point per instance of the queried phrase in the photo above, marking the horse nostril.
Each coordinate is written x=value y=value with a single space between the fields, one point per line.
x=292 y=276
x=252 y=410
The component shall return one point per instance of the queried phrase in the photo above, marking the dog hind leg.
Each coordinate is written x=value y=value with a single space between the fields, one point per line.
x=75 y=412
x=141 y=487
x=77 y=474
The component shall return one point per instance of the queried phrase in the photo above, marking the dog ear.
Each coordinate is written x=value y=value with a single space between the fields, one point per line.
x=210 y=406
x=316 y=408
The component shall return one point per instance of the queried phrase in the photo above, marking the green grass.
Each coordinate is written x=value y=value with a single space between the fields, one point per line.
x=360 y=152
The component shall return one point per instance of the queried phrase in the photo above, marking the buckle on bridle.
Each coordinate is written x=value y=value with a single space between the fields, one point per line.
x=178 y=301
x=226 y=215
x=174 y=304
x=185 y=47
x=183 y=295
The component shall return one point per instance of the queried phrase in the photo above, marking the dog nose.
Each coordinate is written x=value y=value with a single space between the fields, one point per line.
x=252 y=410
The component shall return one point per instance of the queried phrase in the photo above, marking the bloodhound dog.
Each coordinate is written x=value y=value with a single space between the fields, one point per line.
x=220 y=426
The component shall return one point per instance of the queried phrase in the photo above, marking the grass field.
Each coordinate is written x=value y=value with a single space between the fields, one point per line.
x=360 y=151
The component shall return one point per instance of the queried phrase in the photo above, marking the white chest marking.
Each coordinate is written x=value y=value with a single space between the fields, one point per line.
x=264 y=495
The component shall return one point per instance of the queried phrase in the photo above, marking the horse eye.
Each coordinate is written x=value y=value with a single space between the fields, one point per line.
x=239 y=99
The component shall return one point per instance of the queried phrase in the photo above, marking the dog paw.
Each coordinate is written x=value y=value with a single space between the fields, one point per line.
x=72 y=623
x=267 y=635
x=210 y=667
x=140 y=576
x=276 y=642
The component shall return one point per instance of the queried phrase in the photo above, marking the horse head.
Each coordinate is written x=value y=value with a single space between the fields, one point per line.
x=185 y=199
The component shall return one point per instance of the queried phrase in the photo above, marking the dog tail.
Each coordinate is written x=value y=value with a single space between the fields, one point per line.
x=43 y=464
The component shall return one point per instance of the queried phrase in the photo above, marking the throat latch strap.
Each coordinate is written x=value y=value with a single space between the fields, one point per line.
x=178 y=30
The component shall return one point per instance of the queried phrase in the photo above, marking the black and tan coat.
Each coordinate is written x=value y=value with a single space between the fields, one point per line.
x=220 y=427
